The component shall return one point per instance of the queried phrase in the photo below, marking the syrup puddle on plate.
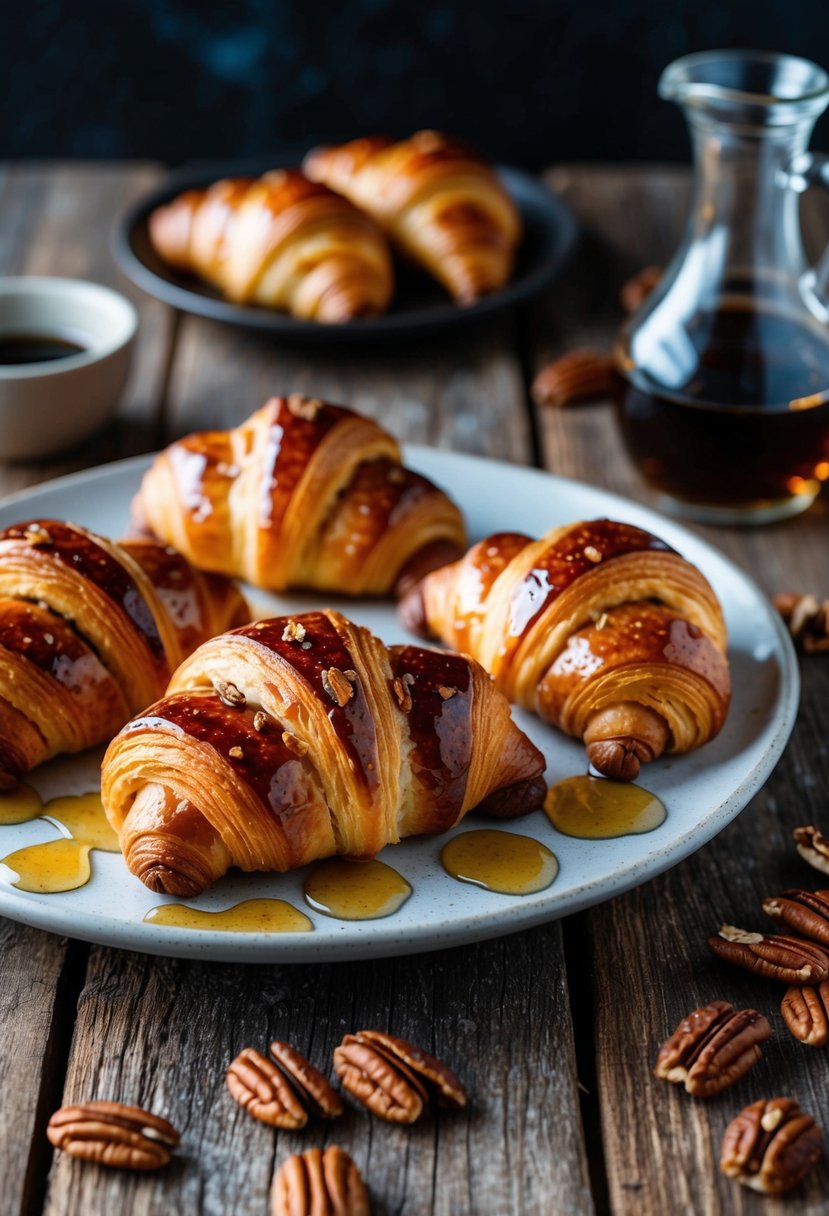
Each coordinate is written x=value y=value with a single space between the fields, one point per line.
x=500 y=861
x=250 y=916
x=596 y=808
x=60 y=865
x=355 y=890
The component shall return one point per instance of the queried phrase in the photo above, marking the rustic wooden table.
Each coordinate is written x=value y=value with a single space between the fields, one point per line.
x=555 y=1029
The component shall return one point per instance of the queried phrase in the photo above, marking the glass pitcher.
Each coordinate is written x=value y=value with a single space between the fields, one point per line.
x=723 y=373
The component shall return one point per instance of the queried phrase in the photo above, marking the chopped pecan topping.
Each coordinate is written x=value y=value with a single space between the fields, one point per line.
x=319 y=1181
x=229 y=694
x=294 y=631
x=712 y=1048
x=236 y=753
x=338 y=686
x=281 y=1092
x=110 y=1133
x=446 y=692
x=261 y=721
x=788 y=959
x=592 y=553
x=806 y=1013
x=771 y=1146
x=36 y=535
x=813 y=847
x=401 y=691
x=579 y=376
x=393 y=1078
x=304 y=407
x=806 y=912
x=294 y=744
x=638 y=287
x=807 y=619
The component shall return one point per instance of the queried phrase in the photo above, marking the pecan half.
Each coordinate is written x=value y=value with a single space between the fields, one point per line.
x=281 y=1093
x=393 y=1078
x=319 y=1181
x=712 y=1048
x=806 y=1013
x=638 y=287
x=813 y=847
x=110 y=1133
x=579 y=376
x=338 y=686
x=776 y=957
x=229 y=694
x=771 y=1146
x=806 y=912
x=304 y=407
x=807 y=619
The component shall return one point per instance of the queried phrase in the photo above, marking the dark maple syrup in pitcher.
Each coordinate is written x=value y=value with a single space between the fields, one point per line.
x=751 y=423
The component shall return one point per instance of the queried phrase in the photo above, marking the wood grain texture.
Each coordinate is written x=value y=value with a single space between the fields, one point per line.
x=649 y=963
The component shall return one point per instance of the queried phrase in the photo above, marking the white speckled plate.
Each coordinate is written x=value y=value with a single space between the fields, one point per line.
x=702 y=791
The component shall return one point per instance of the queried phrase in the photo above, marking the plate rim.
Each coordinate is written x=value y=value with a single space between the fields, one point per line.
x=388 y=326
x=219 y=945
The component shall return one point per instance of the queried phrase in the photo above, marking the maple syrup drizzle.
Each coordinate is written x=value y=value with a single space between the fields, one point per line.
x=250 y=916
x=355 y=890
x=83 y=817
x=46 y=869
x=596 y=808
x=500 y=861
x=19 y=805
x=53 y=866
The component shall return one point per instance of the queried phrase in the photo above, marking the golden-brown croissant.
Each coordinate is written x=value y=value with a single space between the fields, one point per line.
x=438 y=201
x=90 y=632
x=302 y=494
x=296 y=738
x=281 y=241
x=599 y=627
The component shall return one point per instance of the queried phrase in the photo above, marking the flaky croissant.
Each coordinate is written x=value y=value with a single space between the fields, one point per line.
x=296 y=738
x=599 y=627
x=302 y=494
x=438 y=201
x=281 y=241
x=90 y=632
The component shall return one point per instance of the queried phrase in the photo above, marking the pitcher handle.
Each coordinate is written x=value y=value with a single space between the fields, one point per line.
x=812 y=169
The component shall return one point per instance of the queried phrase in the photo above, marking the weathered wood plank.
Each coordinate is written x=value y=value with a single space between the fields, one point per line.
x=649 y=961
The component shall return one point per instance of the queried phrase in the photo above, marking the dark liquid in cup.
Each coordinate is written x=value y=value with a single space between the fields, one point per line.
x=750 y=426
x=36 y=348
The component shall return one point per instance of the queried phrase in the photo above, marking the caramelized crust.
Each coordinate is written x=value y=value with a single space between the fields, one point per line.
x=599 y=627
x=296 y=738
x=302 y=494
x=281 y=241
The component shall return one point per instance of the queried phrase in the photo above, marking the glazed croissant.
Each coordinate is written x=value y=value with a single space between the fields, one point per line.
x=281 y=241
x=302 y=494
x=90 y=632
x=599 y=627
x=438 y=201
x=296 y=738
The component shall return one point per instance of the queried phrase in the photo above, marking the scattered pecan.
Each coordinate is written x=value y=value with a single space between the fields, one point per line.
x=110 y=1133
x=776 y=957
x=319 y=1181
x=338 y=686
x=806 y=1013
x=806 y=912
x=446 y=692
x=294 y=744
x=281 y=1092
x=393 y=1078
x=771 y=1146
x=37 y=535
x=304 y=407
x=813 y=847
x=261 y=721
x=294 y=631
x=712 y=1048
x=404 y=697
x=807 y=619
x=229 y=694
x=581 y=375
x=638 y=287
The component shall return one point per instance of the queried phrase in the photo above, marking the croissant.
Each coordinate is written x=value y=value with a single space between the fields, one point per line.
x=302 y=494
x=599 y=627
x=90 y=632
x=439 y=202
x=281 y=241
x=296 y=738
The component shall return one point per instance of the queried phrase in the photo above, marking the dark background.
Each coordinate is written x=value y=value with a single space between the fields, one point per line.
x=532 y=81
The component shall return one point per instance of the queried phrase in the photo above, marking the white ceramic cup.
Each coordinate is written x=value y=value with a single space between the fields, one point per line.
x=48 y=406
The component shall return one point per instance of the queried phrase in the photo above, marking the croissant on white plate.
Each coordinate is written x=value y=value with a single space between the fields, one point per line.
x=297 y=738
x=90 y=632
x=439 y=202
x=302 y=494
x=280 y=241
x=600 y=627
